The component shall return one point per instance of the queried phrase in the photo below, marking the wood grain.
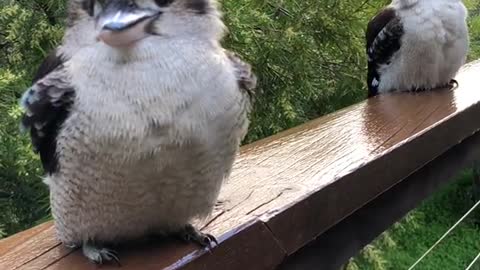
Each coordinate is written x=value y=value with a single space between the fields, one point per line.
x=14 y=240
x=33 y=244
x=288 y=189
x=347 y=238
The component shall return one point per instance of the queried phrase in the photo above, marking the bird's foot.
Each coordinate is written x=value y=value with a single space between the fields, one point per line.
x=418 y=89
x=219 y=205
x=99 y=255
x=452 y=84
x=190 y=234
x=72 y=245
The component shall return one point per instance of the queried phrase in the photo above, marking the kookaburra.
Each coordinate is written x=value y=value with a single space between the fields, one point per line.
x=416 y=45
x=137 y=118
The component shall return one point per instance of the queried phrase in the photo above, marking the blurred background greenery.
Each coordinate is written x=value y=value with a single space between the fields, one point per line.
x=308 y=55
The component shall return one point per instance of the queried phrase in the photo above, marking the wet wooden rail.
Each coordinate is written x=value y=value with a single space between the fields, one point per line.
x=313 y=196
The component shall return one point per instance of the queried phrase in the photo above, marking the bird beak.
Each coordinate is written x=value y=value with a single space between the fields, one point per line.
x=124 y=28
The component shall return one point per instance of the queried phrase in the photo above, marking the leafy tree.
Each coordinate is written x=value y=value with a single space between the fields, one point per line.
x=26 y=35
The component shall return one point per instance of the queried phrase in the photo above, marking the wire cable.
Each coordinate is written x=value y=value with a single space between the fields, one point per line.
x=473 y=262
x=445 y=235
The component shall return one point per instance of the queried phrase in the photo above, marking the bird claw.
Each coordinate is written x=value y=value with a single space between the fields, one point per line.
x=453 y=84
x=72 y=246
x=99 y=255
x=190 y=234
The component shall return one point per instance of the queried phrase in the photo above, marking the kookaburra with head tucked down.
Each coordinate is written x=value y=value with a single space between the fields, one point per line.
x=416 y=45
x=137 y=118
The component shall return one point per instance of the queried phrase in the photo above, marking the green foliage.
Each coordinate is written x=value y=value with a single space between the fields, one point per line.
x=309 y=57
x=474 y=27
x=25 y=37
x=23 y=197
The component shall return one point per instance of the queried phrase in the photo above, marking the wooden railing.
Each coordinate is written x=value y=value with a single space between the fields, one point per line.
x=313 y=196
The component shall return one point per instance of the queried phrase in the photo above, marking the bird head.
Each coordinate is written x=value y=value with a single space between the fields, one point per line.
x=124 y=23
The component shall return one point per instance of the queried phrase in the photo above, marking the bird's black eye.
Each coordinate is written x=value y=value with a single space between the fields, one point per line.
x=89 y=6
x=163 y=3
x=132 y=4
x=198 y=6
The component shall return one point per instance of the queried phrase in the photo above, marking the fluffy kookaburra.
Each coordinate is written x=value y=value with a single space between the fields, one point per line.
x=416 y=45
x=137 y=118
